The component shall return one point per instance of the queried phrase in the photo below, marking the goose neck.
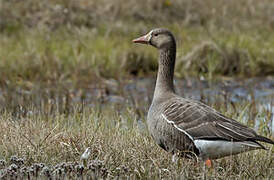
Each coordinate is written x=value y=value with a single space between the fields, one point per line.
x=164 y=82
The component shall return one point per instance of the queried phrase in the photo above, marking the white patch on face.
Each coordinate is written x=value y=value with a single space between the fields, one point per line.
x=149 y=36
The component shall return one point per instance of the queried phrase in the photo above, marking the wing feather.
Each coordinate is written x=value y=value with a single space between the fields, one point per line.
x=203 y=122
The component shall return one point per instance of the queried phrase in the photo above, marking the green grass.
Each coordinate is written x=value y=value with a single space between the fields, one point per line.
x=53 y=50
x=82 y=55
x=64 y=40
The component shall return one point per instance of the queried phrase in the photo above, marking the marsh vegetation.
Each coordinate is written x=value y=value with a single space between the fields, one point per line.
x=70 y=78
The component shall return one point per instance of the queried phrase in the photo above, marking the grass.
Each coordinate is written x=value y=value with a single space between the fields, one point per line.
x=115 y=141
x=54 y=55
x=67 y=41
x=62 y=55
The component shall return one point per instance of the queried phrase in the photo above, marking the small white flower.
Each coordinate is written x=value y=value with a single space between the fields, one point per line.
x=86 y=154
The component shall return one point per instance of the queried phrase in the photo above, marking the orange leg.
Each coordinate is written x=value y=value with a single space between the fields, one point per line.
x=208 y=163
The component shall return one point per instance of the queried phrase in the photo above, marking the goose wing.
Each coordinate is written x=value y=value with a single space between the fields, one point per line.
x=200 y=121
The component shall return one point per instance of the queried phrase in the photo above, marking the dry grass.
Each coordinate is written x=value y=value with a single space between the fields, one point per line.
x=68 y=40
x=52 y=51
x=56 y=13
x=54 y=142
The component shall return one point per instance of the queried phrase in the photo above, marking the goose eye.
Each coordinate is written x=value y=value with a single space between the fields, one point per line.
x=155 y=34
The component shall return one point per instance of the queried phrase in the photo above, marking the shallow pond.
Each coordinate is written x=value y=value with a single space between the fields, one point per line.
x=255 y=93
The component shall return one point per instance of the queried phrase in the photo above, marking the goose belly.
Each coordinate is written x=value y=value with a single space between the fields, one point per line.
x=213 y=149
x=170 y=140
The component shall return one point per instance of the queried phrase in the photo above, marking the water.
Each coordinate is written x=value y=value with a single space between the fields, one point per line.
x=138 y=93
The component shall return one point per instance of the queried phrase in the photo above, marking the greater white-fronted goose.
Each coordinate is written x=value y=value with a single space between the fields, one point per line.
x=185 y=125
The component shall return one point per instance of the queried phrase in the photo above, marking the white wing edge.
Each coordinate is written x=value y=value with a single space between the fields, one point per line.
x=179 y=129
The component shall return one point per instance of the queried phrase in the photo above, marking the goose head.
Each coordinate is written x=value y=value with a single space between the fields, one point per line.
x=159 y=38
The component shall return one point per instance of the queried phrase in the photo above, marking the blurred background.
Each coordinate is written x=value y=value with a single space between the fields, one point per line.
x=61 y=57
x=81 y=51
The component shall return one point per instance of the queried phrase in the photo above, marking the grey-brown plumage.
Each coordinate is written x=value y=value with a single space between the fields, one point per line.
x=185 y=125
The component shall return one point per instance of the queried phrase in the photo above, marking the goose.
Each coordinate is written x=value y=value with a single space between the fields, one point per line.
x=185 y=126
